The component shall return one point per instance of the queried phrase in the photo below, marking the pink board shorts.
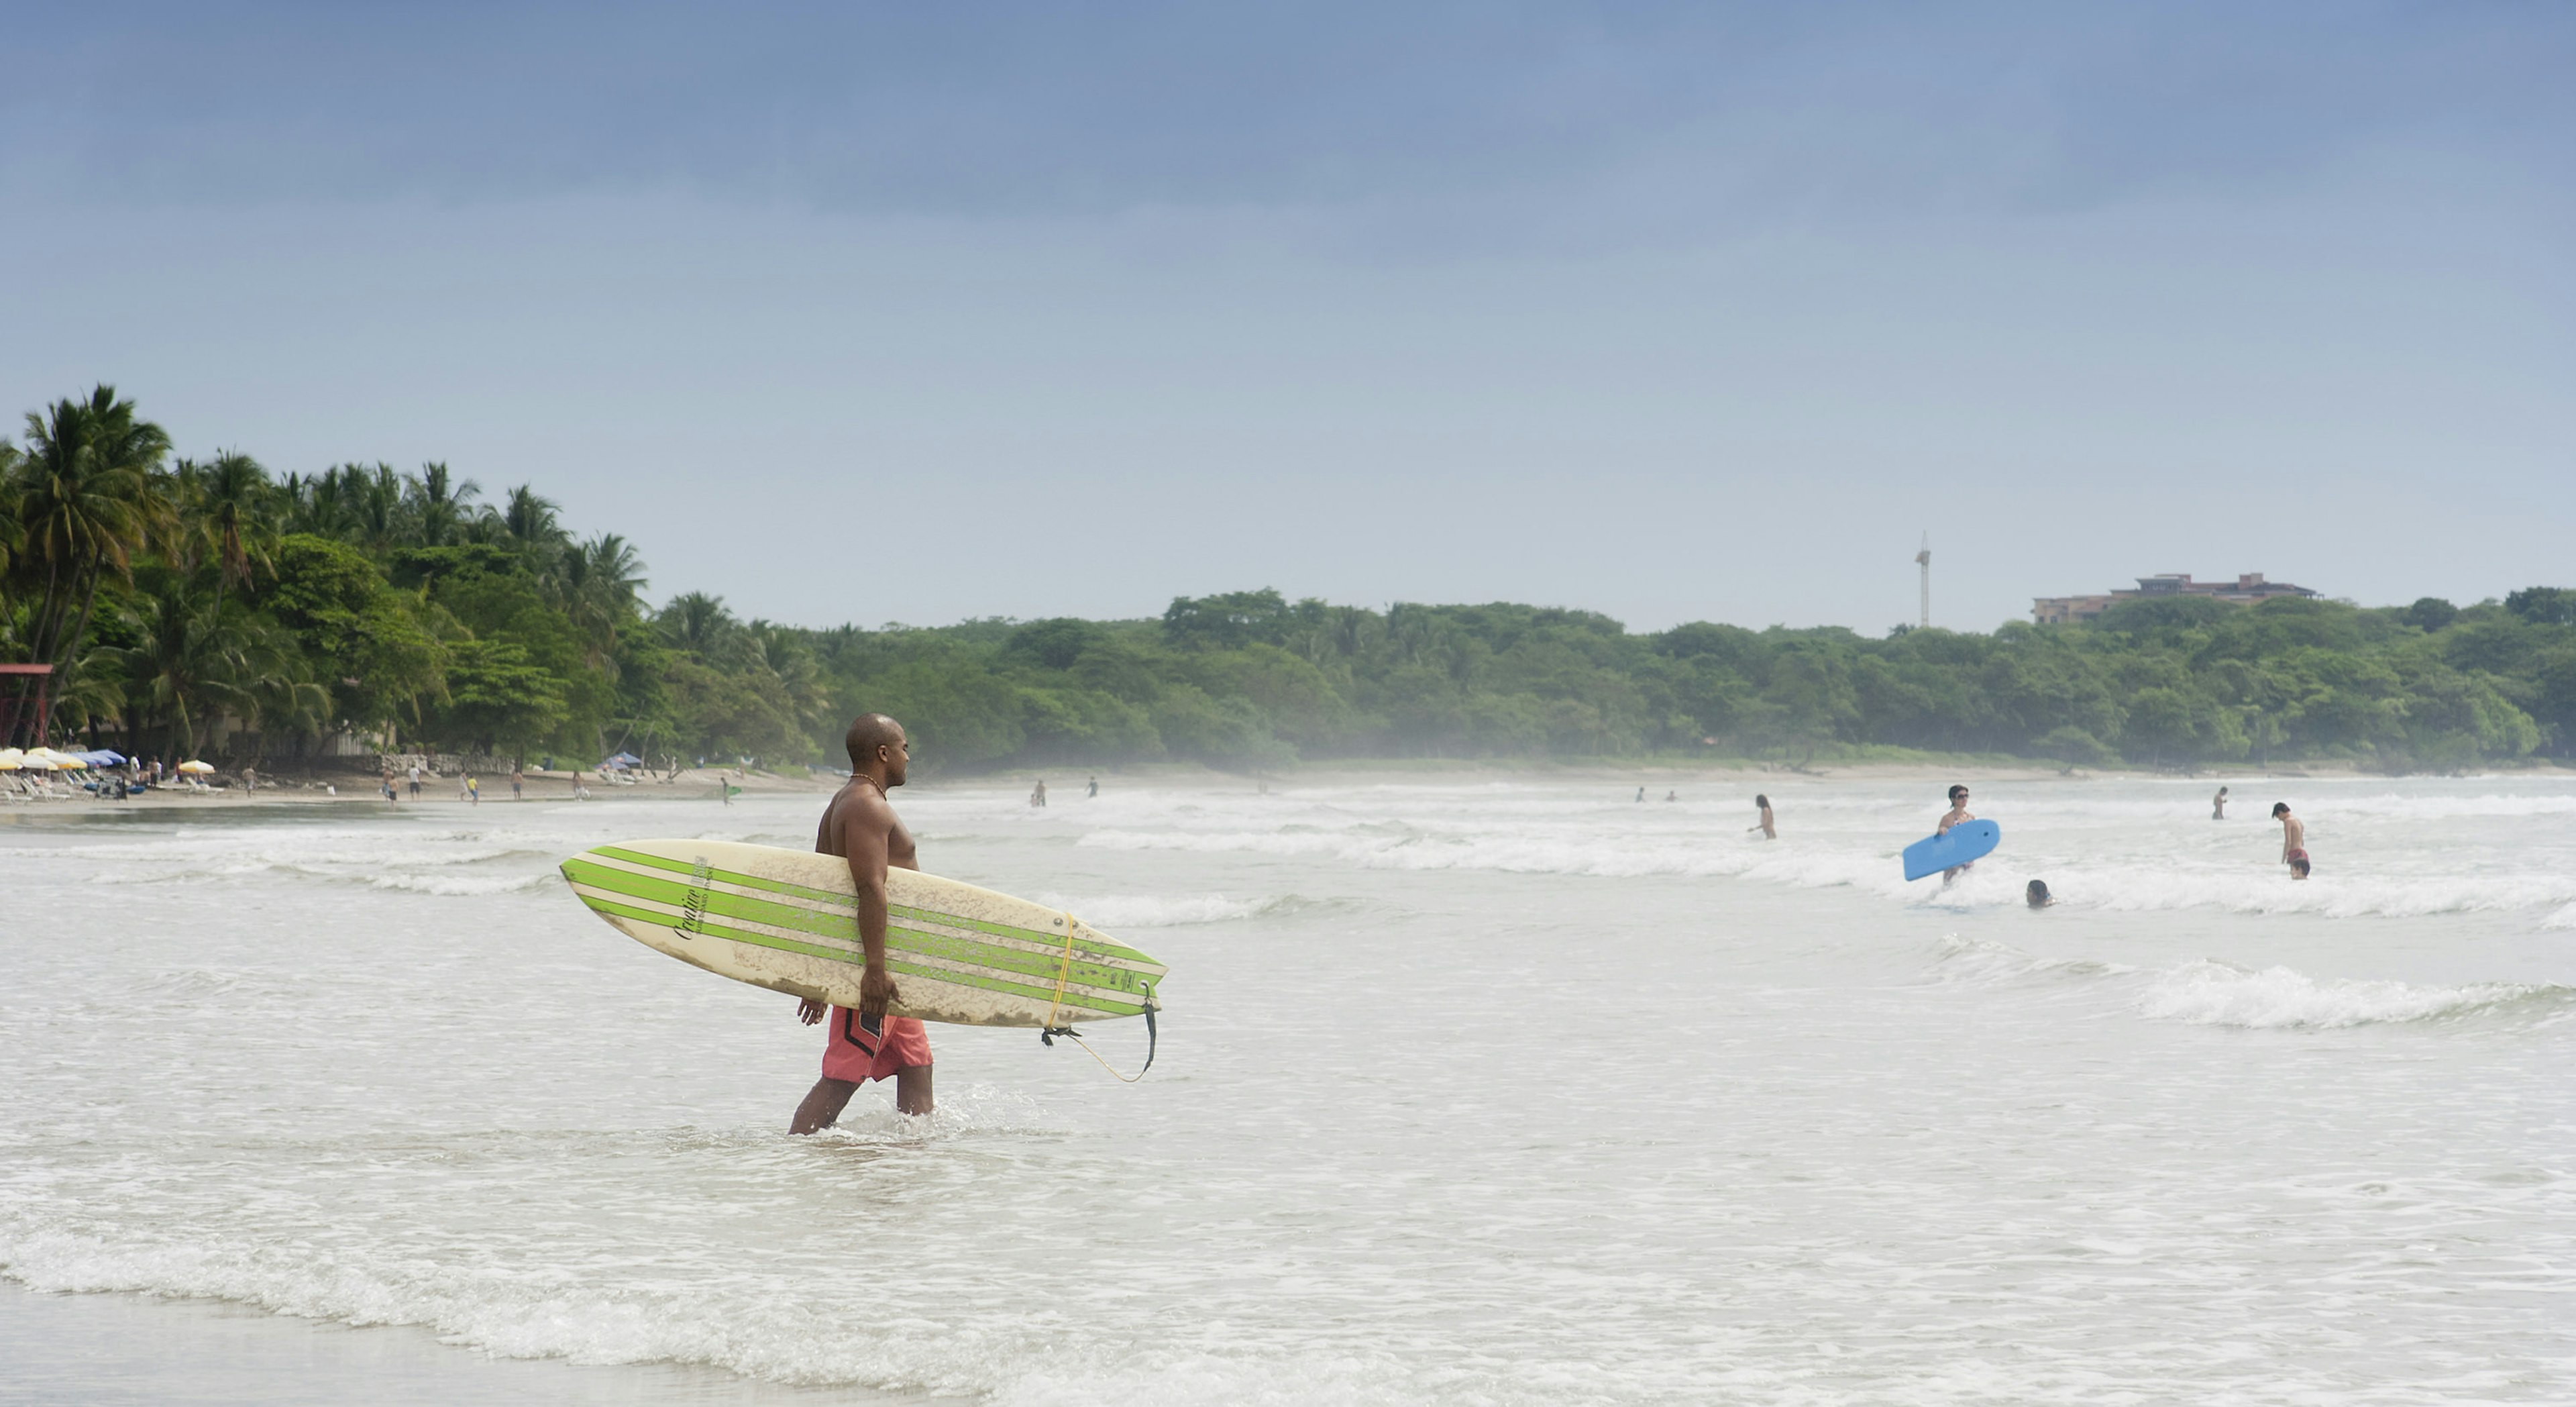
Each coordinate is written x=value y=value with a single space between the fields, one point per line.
x=858 y=1054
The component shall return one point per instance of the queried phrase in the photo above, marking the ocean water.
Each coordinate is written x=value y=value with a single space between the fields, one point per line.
x=1493 y=1091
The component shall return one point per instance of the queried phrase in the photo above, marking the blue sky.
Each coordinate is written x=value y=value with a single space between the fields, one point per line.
x=875 y=312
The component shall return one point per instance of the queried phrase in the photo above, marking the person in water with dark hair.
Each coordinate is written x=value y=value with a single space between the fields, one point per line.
x=2037 y=895
x=2218 y=805
x=1958 y=814
x=2294 y=840
x=1763 y=825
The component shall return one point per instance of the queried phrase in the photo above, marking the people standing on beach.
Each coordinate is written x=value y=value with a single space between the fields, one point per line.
x=1958 y=814
x=250 y=780
x=1037 y=797
x=1762 y=804
x=2218 y=805
x=474 y=791
x=860 y=826
x=518 y=784
x=415 y=781
x=2294 y=840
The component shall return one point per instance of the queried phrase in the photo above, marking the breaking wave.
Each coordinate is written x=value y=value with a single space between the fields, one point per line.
x=2209 y=993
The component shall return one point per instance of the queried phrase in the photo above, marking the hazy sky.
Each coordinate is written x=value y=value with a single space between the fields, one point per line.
x=910 y=312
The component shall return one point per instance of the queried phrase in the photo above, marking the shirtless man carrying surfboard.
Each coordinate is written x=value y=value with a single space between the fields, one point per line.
x=867 y=1044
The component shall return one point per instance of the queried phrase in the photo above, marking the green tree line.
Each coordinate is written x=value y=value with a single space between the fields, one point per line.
x=170 y=594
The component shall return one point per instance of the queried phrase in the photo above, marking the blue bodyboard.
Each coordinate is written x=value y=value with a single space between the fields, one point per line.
x=1968 y=840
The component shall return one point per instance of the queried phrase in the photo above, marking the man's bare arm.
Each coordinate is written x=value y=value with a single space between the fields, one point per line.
x=865 y=825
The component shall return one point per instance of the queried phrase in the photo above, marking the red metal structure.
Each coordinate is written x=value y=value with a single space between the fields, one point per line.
x=24 y=703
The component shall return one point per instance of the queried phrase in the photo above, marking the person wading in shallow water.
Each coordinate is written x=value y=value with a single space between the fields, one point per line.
x=2294 y=840
x=868 y=1044
x=1958 y=814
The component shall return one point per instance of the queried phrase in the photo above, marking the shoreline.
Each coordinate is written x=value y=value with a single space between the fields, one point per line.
x=700 y=783
x=313 y=789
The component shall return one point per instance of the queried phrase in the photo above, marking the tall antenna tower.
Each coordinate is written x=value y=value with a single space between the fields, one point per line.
x=1923 y=559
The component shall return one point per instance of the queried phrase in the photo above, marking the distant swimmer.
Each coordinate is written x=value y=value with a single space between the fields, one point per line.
x=1641 y=793
x=1958 y=814
x=2037 y=895
x=860 y=826
x=2218 y=805
x=2294 y=840
x=1672 y=796
x=1095 y=787
x=1764 y=825
x=1038 y=796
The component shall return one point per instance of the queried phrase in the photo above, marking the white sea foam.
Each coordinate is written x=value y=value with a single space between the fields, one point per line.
x=1986 y=960
x=2242 y=880
x=1166 y=911
x=464 y=884
x=2209 y=993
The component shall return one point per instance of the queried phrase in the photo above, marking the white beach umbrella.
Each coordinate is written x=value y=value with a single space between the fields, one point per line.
x=12 y=759
x=192 y=765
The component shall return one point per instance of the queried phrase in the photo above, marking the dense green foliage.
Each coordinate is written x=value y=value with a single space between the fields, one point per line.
x=400 y=606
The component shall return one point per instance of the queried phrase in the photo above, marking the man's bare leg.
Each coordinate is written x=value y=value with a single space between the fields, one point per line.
x=824 y=1102
x=912 y=1089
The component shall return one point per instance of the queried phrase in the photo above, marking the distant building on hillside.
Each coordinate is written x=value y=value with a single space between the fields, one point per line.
x=2248 y=588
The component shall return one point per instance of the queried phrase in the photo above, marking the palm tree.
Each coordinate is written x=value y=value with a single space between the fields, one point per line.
x=232 y=502
x=440 y=505
x=530 y=517
x=88 y=499
x=595 y=587
x=698 y=622
x=189 y=662
x=13 y=534
x=318 y=505
x=614 y=570
x=375 y=506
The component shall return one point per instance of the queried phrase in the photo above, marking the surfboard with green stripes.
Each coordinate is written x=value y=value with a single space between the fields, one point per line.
x=788 y=920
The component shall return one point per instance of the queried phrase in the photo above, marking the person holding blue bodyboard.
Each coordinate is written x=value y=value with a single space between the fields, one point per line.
x=1960 y=841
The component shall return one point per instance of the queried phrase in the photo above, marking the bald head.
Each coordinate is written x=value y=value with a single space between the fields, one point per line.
x=874 y=737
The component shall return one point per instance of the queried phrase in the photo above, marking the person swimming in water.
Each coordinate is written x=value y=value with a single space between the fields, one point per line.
x=1763 y=825
x=2218 y=805
x=2037 y=895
